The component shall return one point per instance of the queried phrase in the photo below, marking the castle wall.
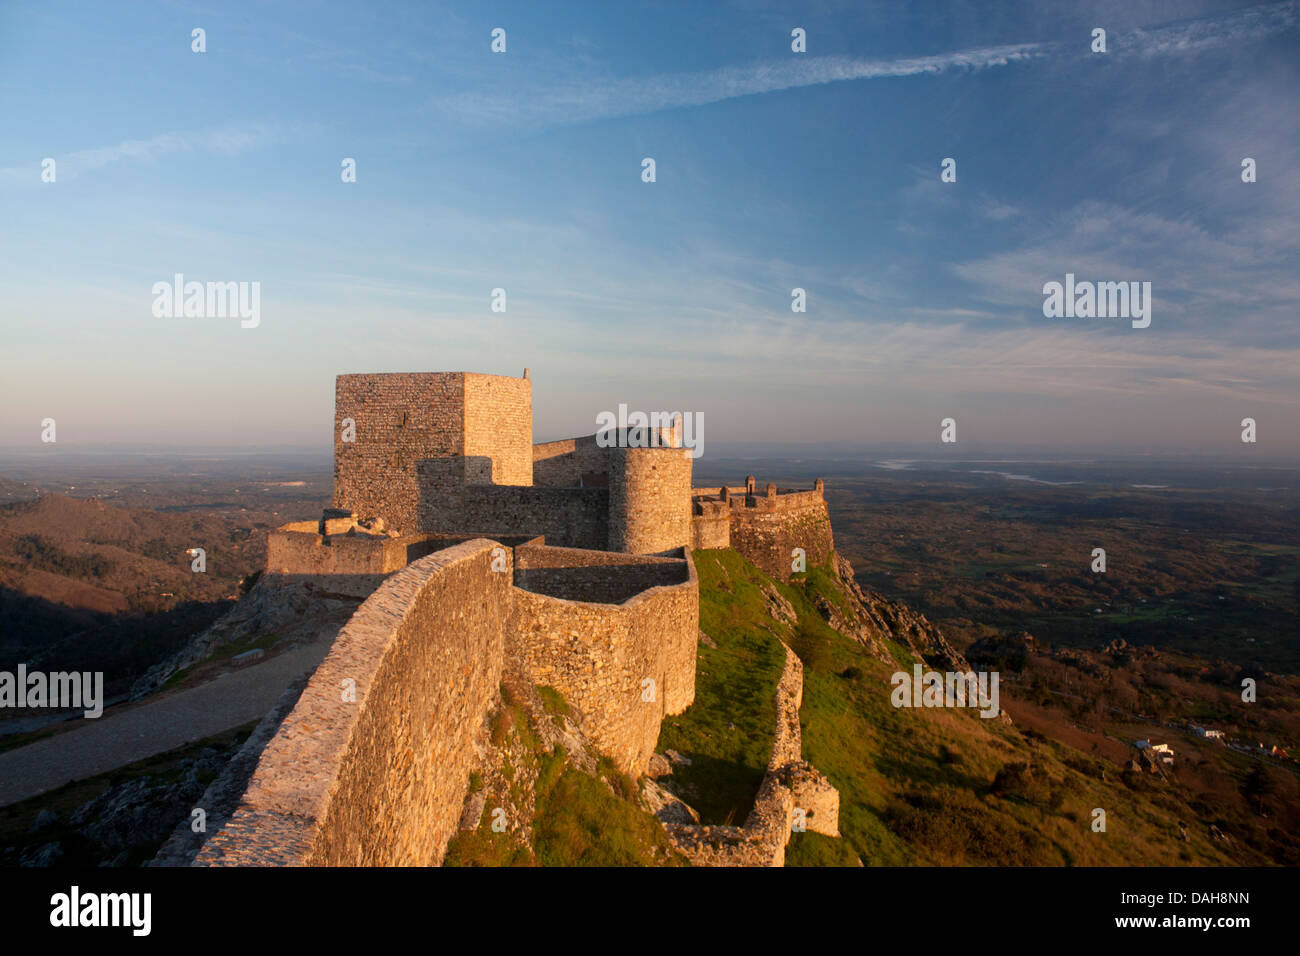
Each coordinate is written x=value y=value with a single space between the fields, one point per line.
x=711 y=528
x=339 y=563
x=305 y=552
x=599 y=656
x=400 y=419
x=568 y=517
x=563 y=464
x=768 y=531
x=476 y=428
x=499 y=425
x=649 y=499
x=380 y=782
x=602 y=576
x=675 y=628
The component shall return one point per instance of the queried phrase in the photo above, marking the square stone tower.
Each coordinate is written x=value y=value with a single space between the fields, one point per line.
x=478 y=428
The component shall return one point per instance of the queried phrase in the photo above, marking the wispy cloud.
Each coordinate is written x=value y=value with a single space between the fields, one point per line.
x=1193 y=36
x=222 y=141
x=582 y=101
x=586 y=99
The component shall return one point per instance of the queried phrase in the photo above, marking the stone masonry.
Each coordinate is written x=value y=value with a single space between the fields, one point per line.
x=372 y=765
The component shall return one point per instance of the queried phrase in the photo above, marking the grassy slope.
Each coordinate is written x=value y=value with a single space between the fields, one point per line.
x=916 y=785
x=578 y=819
x=727 y=731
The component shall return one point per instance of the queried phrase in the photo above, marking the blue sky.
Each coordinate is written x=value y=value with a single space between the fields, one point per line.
x=775 y=170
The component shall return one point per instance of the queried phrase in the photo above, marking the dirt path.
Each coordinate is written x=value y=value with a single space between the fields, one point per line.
x=153 y=727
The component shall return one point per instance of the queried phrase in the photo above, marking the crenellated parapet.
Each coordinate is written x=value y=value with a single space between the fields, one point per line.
x=768 y=525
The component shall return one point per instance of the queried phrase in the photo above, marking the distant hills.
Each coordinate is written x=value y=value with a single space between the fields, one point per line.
x=92 y=586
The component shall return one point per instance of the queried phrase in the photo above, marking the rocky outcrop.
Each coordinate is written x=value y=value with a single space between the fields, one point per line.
x=871 y=619
x=780 y=610
x=1003 y=651
x=127 y=819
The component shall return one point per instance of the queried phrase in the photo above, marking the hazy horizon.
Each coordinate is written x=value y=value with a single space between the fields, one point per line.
x=16 y=458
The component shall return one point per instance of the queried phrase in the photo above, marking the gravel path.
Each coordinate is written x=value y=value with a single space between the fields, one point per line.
x=153 y=727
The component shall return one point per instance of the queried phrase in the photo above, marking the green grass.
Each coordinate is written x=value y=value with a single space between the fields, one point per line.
x=916 y=785
x=816 y=849
x=578 y=820
x=554 y=702
x=727 y=731
x=580 y=823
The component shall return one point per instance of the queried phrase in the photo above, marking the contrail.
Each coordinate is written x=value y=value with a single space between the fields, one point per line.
x=584 y=100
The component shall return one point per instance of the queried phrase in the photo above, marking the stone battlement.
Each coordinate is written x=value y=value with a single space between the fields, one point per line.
x=765 y=526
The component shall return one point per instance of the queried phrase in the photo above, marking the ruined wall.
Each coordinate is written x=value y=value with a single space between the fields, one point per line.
x=767 y=529
x=649 y=499
x=499 y=425
x=563 y=464
x=602 y=576
x=380 y=781
x=790 y=784
x=599 y=655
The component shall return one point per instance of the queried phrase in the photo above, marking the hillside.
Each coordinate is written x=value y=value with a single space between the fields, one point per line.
x=93 y=586
x=918 y=786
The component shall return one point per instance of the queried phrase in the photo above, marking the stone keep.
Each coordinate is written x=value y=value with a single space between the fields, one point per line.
x=478 y=429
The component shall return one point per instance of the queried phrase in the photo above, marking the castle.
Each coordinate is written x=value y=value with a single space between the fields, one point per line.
x=481 y=554
x=439 y=454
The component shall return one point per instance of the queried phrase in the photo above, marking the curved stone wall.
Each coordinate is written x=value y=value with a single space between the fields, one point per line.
x=601 y=656
x=379 y=779
x=649 y=499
